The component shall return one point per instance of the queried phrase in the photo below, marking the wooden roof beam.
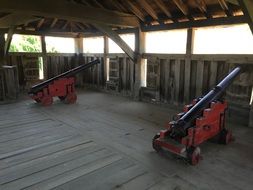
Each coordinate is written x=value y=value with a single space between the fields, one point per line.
x=98 y=4
x=8 y=40
x=117 y=39
x=247 y=8
x=69 y=11
x=85 y=3
x=71 y=24
x=135 y=10
x=50 y=32
x=118 y=5
x=201 y=5
x=148 y=9
x=40 y=23
x=15 y=19
x=65 y=25
x=225 y=7
x=163 y=7
x=233 y=2
x=54 y=22
x=180 y=4
x=197 y=23
x=223 y=4
x=80 y=26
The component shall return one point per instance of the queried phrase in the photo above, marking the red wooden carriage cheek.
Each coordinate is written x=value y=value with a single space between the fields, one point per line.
x=59 y=88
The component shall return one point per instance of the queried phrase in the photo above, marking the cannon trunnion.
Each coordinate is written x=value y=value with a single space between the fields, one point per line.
x=201 y=120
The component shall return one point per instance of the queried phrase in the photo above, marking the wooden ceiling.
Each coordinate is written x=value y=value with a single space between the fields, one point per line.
x=78 y=16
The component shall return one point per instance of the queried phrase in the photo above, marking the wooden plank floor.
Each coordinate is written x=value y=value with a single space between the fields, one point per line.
x=104 y=142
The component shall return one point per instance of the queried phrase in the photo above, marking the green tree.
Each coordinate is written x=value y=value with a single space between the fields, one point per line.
x=26 y=44
x=29 y=44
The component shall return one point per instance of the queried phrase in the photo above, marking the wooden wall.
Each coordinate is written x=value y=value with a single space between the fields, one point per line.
x=171 y=79
x=94 y=77
x=177 y=79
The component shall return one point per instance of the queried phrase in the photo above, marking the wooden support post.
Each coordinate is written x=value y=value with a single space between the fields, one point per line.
x=100 y=73
x=78 y=45
x=177 y=80
x=44 y=56
x=5 y=45
x=166 y=82
x=79 y=51
x=97 y=74
x=189 y=46
x=139 y=64
x=158 y=80
x=251 y=113
x=213 y=74
x=132 y=76
x=11 y=80
x=2 y=43
x=8 y=41
x=124 y=77
x=247 y=8
x=106 y=60
x=199 y=78
x=251 y=110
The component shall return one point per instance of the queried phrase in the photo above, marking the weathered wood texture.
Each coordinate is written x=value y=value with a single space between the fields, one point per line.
x=165 y=73
x=204 y=74
x=104 y=142
x=170 y=78
x=175 y=84
x=2 y=86
x=94 y=77
x=69 y=11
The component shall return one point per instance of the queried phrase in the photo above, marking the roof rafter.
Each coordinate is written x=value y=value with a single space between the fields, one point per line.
x=135 y=10
x=163 y=7
x=180 y=4
x=247 y=8
x=54 y=22
x=40 y=23
x=201 y=5
x=148 y=9
x=15 y=19
x=225 y=7
x=98 y=4
x=69 y=11
x=118 y=5
x=65 y=25
x=223 y=4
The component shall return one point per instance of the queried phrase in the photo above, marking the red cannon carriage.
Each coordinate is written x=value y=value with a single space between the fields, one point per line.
x=202 y=120
x=61 y=86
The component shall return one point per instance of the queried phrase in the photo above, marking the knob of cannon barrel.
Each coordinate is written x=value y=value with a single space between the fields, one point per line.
x=178 y=129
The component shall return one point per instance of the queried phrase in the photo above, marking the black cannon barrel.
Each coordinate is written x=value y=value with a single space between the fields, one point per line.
x=38 y=87
x=181 y=125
